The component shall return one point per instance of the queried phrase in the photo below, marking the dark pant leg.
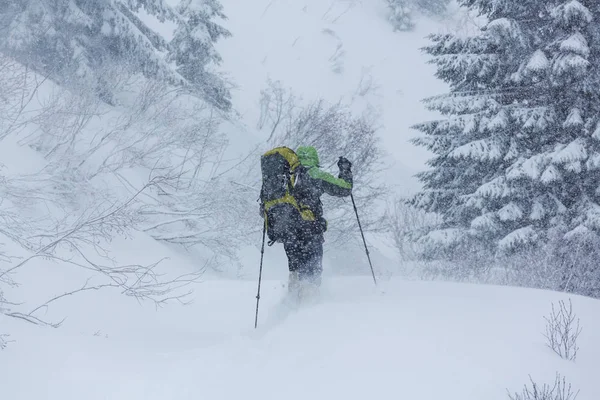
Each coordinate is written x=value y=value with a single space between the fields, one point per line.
x=293 y=250
x=305 y=256
x=314 y=258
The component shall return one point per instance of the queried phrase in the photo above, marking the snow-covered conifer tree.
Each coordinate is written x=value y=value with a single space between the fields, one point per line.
x=75 y=42
x=401 y=15
x=517 y=158
x=402 y=12
x=193 y=49
x=432 y=7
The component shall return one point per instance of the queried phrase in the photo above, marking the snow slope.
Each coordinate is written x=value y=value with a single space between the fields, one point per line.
x=412 y=340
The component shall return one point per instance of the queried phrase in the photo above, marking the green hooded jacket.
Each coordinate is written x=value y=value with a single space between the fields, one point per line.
x=310 y=159
x=311 y=182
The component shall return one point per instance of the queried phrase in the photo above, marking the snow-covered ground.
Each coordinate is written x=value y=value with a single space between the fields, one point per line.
x=412 y=340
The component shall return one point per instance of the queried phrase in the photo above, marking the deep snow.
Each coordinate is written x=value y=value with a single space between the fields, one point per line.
x=412 y=340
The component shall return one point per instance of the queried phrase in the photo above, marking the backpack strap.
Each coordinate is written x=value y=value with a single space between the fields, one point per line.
x=304 y=211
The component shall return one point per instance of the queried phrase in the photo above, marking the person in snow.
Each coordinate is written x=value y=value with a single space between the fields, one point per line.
x=304 y=249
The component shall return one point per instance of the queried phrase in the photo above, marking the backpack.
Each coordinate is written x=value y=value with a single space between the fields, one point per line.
x=283 y=214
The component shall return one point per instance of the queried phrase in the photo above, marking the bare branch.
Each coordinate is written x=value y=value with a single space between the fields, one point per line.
x=34 y=320
x=71 y=206
x=562 y=331
x=558 y=391
x=335 y=131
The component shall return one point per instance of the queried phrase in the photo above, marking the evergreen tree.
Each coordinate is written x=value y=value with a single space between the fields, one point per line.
x=401 y=15
x=192 y=48
x=517 y=160
x=75 y=42
x=432 y=7
x=401 y=12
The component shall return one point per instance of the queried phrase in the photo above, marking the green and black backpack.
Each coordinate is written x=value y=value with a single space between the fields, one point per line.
x=283 y=214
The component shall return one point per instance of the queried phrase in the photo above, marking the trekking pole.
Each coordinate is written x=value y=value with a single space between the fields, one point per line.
x=262 y=252
x=363 y=238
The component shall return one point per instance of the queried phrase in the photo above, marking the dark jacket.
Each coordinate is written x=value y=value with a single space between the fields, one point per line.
x=311 y=183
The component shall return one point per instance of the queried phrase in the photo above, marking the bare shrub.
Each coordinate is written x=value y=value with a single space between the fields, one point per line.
x=404 y=221
x=563 y=261
x=69 y=210
x=562 y=331
x=334 y=131
x=87 y=144
x=277 y=106
x=18 y=88
x=199 y=216
x=71 y=246
x=574 y=260
x=560 y=390
x=406 y=224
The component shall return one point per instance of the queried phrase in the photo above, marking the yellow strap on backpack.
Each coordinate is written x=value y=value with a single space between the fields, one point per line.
x=304 y=211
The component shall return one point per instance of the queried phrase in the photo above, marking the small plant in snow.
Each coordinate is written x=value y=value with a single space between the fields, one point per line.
x=562 y=330
x=559 y=391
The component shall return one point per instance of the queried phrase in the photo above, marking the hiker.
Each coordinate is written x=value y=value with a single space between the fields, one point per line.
x=304 y=242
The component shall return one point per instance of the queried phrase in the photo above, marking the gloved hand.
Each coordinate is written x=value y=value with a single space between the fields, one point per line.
x=344 y=164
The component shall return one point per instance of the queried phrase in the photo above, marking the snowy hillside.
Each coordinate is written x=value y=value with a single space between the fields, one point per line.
x=416 y=340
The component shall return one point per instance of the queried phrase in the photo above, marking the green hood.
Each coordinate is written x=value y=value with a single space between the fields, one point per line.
x=308 y=156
